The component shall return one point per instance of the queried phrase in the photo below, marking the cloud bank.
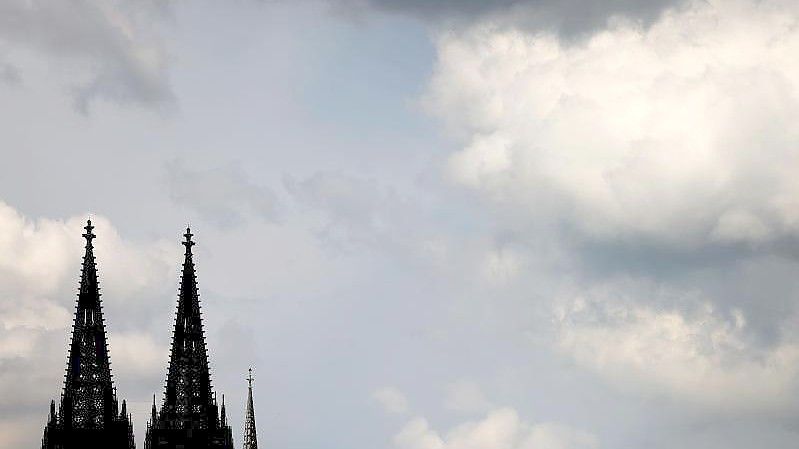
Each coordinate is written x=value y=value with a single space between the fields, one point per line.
x=654 y=133
x=677 y=139
x=695 y=356
x=500 y=429
x=567 y=18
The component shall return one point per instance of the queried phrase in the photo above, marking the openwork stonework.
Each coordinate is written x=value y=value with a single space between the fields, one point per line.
x=88 y=414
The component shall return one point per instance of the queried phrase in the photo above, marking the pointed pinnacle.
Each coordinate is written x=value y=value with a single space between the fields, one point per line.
x=188 y=243
x=89 y=235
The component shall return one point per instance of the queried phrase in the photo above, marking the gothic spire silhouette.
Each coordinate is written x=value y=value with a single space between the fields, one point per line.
x=88 y=414
x=250 y=436
x=189 y=416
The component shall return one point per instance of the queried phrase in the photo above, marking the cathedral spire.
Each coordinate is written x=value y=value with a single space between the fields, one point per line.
x=88 y=388
x=250 y=437
x=189 y=415
x=188 y=398
x=88 y=402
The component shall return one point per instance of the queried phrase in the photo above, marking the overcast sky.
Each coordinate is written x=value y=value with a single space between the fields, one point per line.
x=425 y=224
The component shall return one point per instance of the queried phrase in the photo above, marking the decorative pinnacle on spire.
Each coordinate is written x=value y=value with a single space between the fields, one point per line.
x=188 y=243
x=249 y=378
x=89 y=235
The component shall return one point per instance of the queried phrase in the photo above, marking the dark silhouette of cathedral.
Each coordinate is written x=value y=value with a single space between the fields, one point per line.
x=88 y=415
x=189 y=417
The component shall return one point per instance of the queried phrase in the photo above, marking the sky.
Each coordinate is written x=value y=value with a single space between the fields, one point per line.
x=519 y=224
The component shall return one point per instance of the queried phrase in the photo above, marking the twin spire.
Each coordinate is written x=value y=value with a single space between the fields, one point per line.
x=189 y=416
x=89 y=416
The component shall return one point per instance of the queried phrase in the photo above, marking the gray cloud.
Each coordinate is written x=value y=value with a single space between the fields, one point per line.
x=9 y=74
x=536 y=296
x=355 y=209
x=114 y=44
x=568 y=18
x=223 y=196
x=639 y=154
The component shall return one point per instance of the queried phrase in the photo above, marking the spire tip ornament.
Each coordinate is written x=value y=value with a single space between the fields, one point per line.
x=89 y=235
x=188 y=243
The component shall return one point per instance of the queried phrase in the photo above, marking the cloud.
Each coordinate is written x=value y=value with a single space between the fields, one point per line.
x=113 y=43
x=565 y=17
x=391 y=399
x=466 y=397
x=223 y=196
x=690 y=353
x=681 y=134
x=352 y=213
x=9 y=74
x=500 y=429
x=354 y=209
x=137 y=355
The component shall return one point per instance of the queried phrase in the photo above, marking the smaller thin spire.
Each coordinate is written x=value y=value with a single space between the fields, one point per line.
x=250 y=434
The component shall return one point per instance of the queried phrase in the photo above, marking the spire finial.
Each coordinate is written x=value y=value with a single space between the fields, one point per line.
x=89 y=235
x=250 y=378
x=188 y=243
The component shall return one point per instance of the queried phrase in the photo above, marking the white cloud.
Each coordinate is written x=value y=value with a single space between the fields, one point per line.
x=500 y=429
x=391 y=399
x=683 y=132
x=137 y=355
x=502 y=264
x=696 y=356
